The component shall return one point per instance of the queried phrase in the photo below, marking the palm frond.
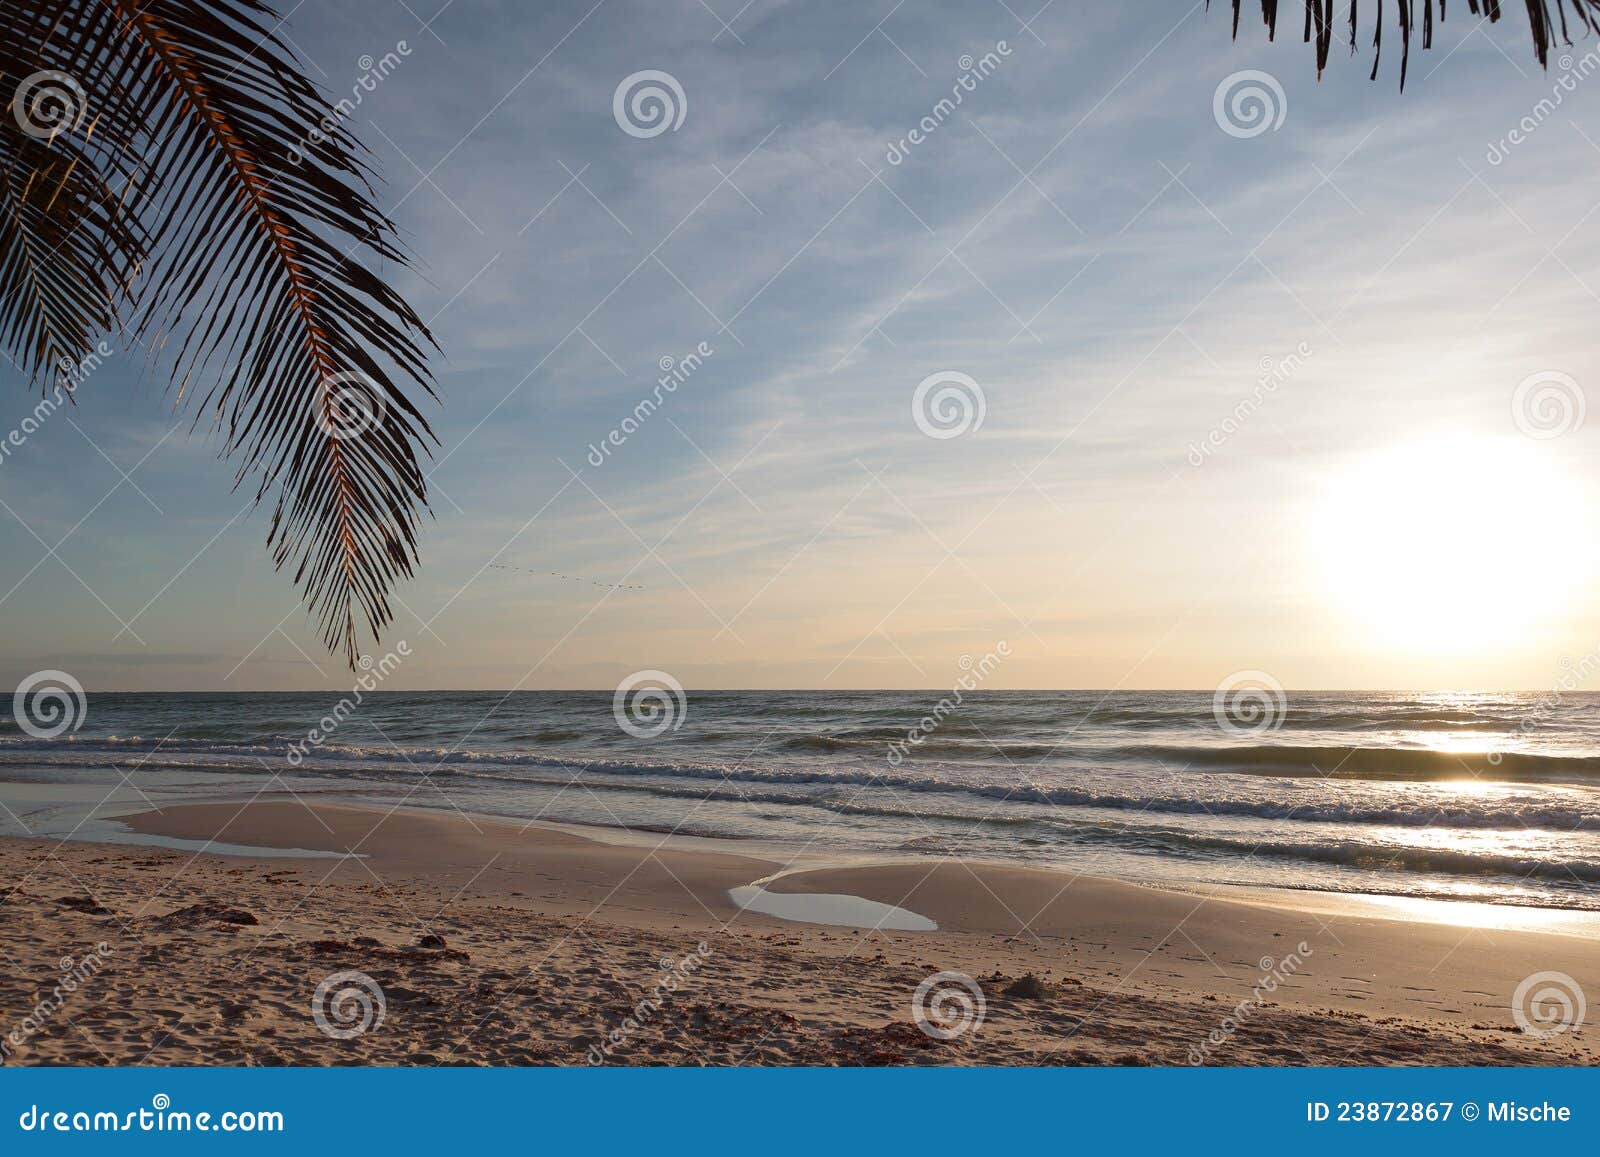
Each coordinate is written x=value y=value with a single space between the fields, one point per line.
x=68 y=251
x=1319 y=23
x=245 y=204
x=67 y=255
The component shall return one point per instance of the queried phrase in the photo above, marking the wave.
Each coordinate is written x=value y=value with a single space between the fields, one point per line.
x=1402 y=858
x=851 y=787
x=947 y=743
x=1373 y=859
x=1401 y=763
x=1529 y=815
x=1052 y=750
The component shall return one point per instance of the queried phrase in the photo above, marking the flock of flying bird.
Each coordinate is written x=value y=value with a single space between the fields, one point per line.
x=569 y=578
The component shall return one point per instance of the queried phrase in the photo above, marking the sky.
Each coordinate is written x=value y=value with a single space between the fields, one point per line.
x=1299 y=395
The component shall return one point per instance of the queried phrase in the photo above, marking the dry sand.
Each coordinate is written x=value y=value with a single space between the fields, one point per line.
x=493 y=943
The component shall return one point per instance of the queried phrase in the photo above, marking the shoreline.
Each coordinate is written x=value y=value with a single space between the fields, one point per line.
x=1396 y=906
x=547 y=938
x=1466 y=910
x=1253 y=815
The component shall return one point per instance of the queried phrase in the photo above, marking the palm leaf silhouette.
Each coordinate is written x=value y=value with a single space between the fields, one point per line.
x=1320 y=18
x=203 y=199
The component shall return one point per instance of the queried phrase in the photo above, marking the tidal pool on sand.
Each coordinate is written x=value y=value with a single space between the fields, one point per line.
x=820 y=908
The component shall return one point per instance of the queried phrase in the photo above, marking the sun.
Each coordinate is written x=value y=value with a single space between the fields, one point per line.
x=1452 y=544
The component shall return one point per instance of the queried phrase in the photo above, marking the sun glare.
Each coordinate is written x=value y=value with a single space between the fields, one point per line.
x=1454 y=544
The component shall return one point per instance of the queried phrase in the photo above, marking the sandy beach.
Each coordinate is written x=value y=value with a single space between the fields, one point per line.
x=488 y=942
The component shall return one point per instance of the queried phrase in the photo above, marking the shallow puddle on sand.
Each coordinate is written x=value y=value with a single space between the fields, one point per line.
x=116 y=832
x=820 y=908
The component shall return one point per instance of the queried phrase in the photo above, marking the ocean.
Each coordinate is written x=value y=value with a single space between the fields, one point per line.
x=1488 y=797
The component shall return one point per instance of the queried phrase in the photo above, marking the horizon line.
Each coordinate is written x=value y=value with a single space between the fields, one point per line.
x=832 y=690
